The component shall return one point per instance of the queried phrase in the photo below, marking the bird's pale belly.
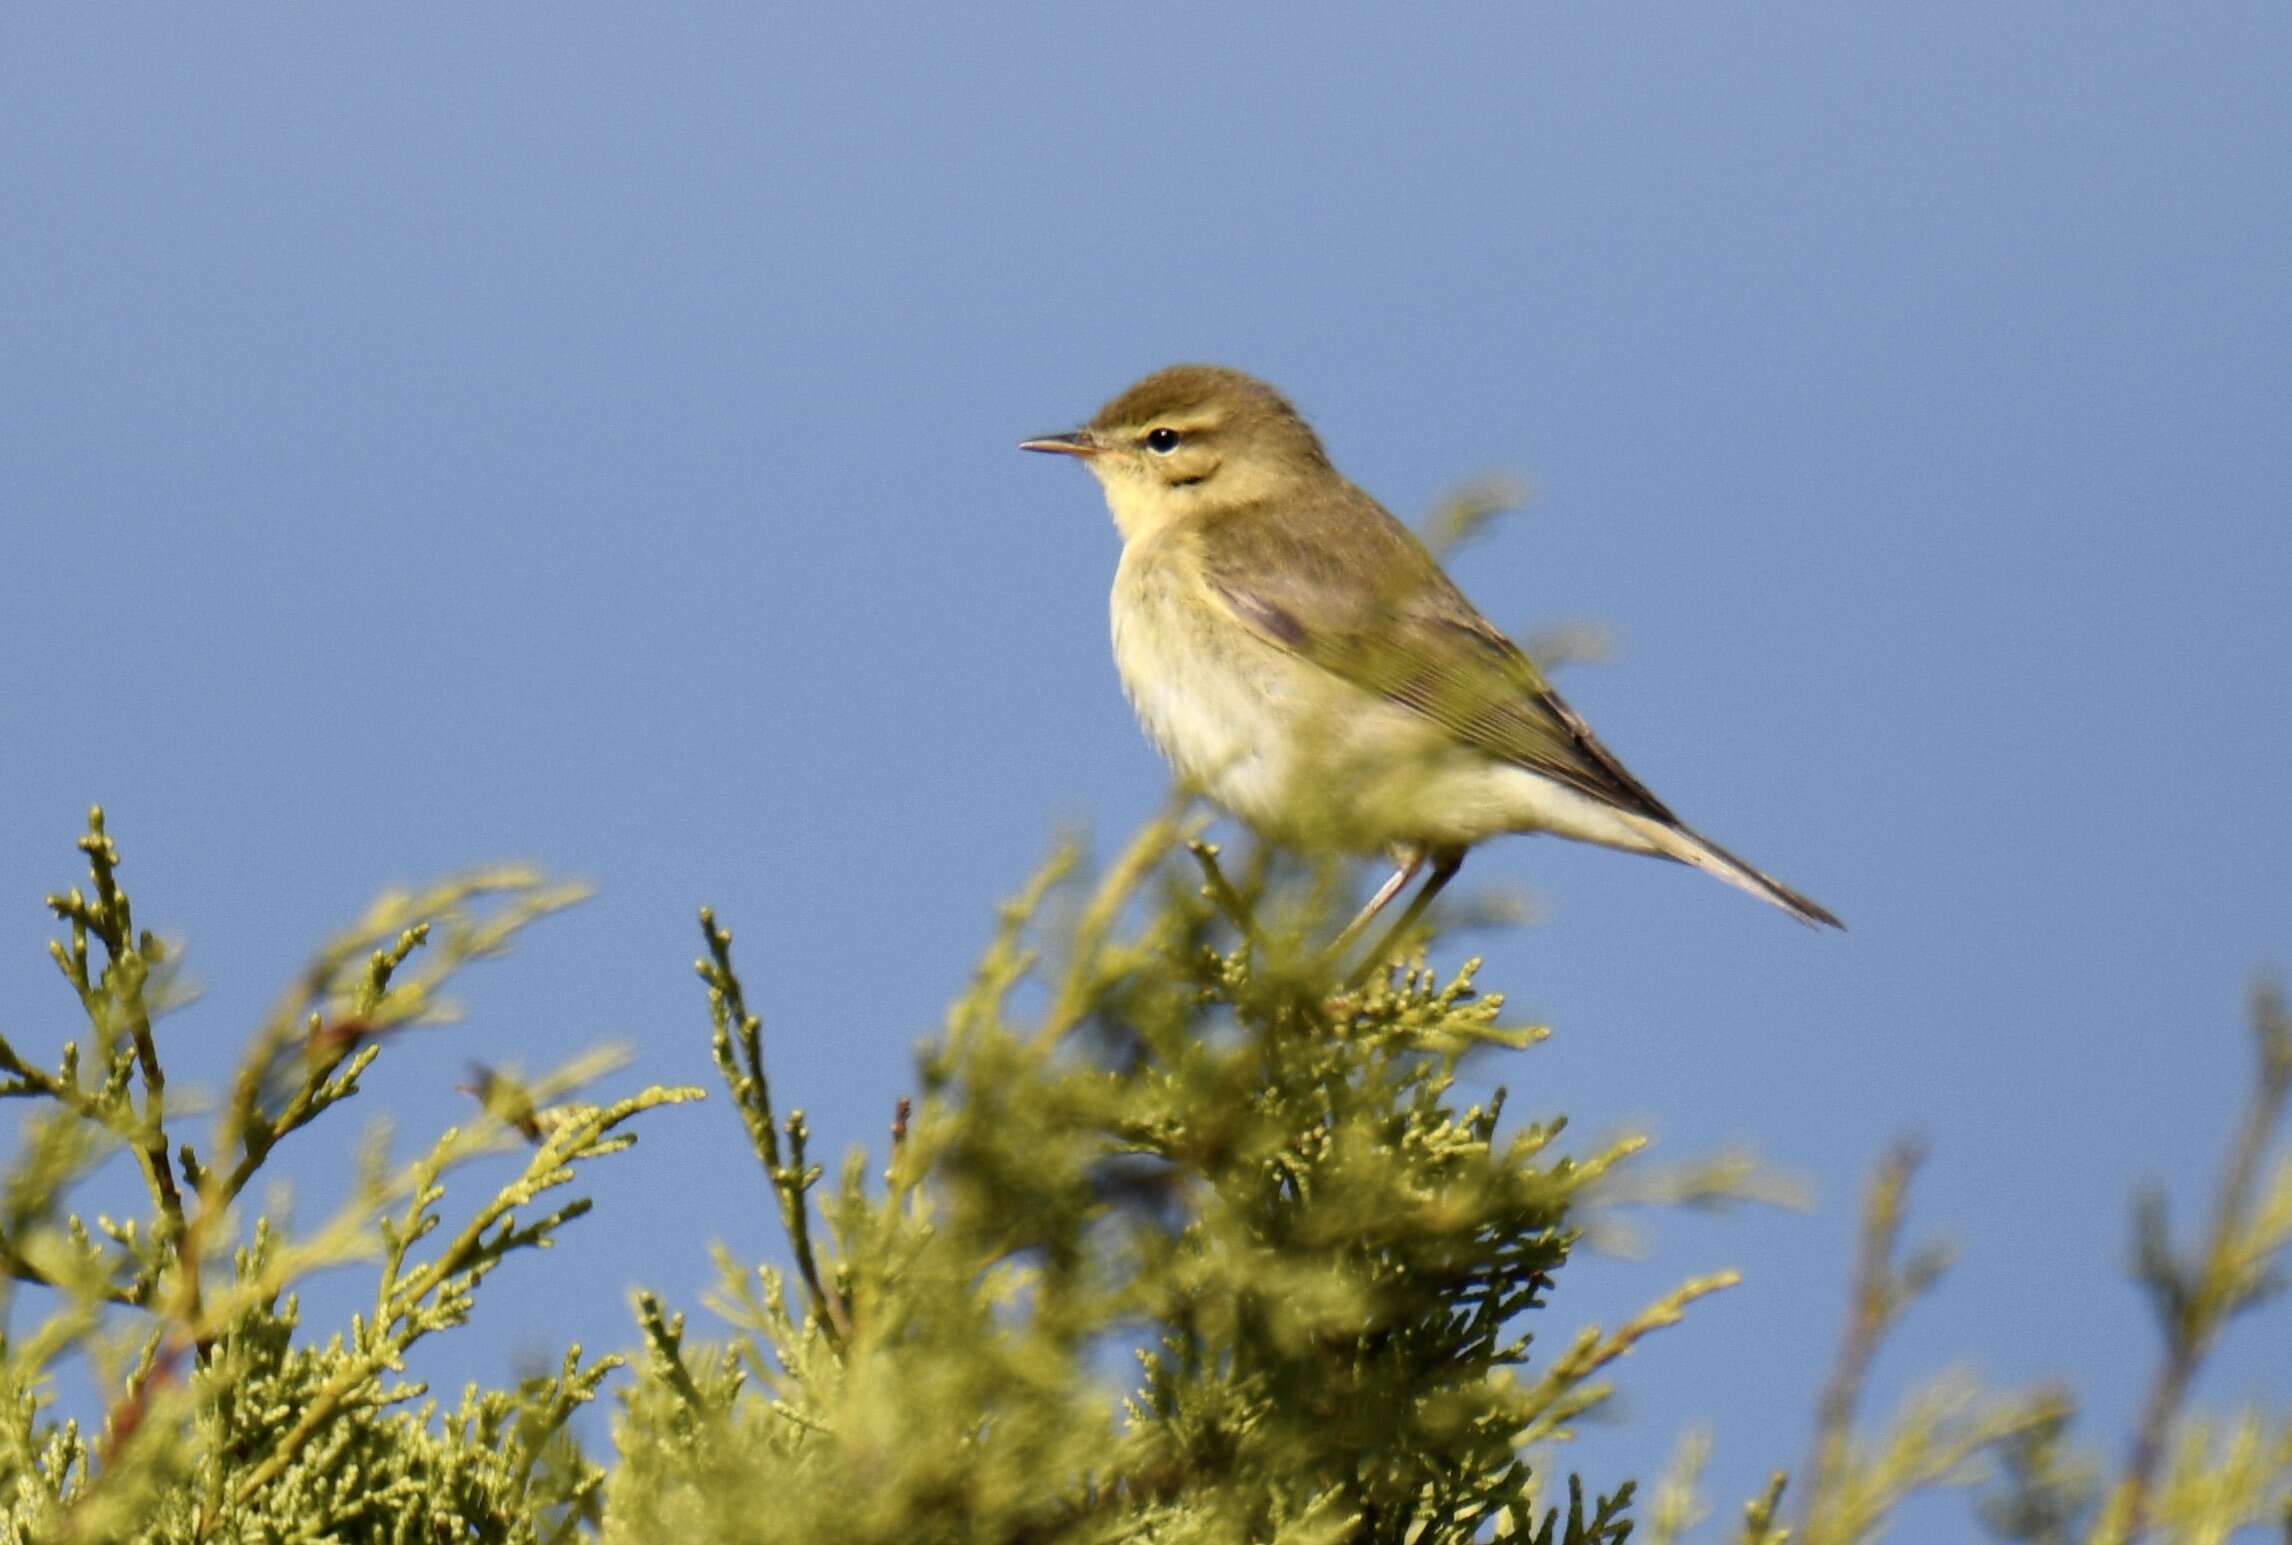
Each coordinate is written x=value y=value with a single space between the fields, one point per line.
x=1301 y=754
x=1213 y=700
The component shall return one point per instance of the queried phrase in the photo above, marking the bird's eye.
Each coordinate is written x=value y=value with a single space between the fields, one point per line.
x=1162 y=441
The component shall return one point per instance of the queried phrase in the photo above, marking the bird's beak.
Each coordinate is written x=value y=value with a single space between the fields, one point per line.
x=1080 y=442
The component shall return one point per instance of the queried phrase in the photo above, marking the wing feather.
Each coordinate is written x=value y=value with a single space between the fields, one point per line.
x=1344 y=585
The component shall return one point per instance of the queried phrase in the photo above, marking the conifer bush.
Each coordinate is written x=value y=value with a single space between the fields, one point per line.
x=1188 y=1232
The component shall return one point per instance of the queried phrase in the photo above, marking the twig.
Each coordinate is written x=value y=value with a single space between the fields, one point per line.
x=1087 y=968
x=1220 y=890
x=129 y=959
x=2197 y=1301
x=1875 y=1300
x=751 y=1092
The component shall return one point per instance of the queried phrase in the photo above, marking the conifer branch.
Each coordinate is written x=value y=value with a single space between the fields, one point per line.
x=1152 y=1116
x=2195 y=1300
x=744 y=1076
x=118 y=1000
x=1876 y=1298
x=436 y=1294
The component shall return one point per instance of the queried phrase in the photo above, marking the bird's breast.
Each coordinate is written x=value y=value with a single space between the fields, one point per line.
x=1211 y=696
x=1290 y=748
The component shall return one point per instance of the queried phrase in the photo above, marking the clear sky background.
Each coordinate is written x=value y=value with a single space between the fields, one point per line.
x=586 y=433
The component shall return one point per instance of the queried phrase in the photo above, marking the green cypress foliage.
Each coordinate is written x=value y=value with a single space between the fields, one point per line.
x=1190 y=1150
x=1187 y=1233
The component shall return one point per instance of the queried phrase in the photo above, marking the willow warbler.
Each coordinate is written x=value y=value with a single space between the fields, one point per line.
x=1299 y=656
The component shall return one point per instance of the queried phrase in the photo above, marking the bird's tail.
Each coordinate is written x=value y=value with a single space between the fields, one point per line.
x=1692 y=847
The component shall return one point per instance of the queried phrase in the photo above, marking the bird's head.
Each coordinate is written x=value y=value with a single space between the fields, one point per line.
x=1189 y=440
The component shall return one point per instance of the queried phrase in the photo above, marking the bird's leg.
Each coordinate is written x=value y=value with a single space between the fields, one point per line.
x=1445 y=865
x=1385 y=893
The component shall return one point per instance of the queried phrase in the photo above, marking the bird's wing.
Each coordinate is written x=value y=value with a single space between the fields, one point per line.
x=1344 y=585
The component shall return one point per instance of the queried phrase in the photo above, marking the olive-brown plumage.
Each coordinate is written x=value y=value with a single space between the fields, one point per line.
x=1300 y=656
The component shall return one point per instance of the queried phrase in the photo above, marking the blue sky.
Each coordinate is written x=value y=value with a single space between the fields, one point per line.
x=586 y=435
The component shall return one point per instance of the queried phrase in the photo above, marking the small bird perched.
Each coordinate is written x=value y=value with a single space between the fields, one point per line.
x=1300 y=657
